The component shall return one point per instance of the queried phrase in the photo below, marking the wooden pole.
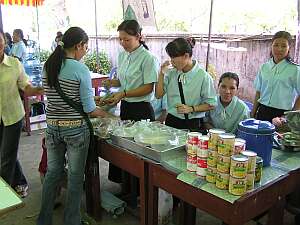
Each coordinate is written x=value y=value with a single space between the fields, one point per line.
x=1 y=23
x=297 y=50
x=297 y=45
x=96 y=30
x=209 y=33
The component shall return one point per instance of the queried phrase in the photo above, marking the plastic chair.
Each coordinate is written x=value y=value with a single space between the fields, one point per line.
x=112 y=74
x=249 y=104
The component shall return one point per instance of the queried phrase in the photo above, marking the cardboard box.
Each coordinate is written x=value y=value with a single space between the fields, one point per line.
x=37 y=119
x=38 y=125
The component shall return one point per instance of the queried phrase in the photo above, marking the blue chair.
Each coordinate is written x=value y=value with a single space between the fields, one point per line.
x=249 y=104
x=112 y=74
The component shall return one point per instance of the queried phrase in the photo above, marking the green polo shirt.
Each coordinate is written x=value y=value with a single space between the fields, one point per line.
x=278 y=84
x=198 y=88
x=228 y=118
x=136 y=69
x=12 y=78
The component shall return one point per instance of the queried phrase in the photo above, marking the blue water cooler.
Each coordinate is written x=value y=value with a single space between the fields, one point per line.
x=259 y=137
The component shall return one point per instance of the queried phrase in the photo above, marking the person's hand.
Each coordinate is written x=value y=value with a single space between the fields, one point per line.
x=211 y=107
x=115 y=98
x=278 y=121
x=99 y=101
x=39 y=90
x=165 y=67
x=183 y=109
x=106 y=83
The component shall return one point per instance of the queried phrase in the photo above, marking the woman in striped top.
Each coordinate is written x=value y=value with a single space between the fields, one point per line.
x=67 y=133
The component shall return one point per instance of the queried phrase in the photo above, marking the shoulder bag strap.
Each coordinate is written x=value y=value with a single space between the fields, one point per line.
x=78 y=107
x=186 y=116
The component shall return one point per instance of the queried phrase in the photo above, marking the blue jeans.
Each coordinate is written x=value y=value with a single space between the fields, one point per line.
x=75 y=143
x=10 y=168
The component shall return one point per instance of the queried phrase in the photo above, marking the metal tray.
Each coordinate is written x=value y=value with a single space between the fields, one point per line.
x=157 y=153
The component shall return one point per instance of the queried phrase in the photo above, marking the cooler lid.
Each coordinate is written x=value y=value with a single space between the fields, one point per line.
x=254 y=126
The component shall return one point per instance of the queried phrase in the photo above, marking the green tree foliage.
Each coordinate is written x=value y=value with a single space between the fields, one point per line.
x=113 y=24
x=101 y=65
x=44 y=55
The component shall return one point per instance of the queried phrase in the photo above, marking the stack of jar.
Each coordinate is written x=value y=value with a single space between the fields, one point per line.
x=251 y=168
x=202 y=154
x=212 y=154
x=230 y=166
x=222 y=159
x=192 y=145
x=225 y=151
x=238 y=174
x=197 y=152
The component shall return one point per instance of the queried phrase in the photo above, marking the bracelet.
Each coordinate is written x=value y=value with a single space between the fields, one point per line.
x=125 y=93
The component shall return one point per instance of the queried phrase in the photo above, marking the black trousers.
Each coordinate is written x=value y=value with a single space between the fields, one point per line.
x=267 y=113
x=130 y=111
x=10 y=168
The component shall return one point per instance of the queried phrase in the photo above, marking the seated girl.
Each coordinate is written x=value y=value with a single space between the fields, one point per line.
x=230 y=110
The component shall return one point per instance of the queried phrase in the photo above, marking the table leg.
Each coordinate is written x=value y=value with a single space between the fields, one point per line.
x=134 y=181
x=152 y=205
x=143 y=202
x=92 y=188
x=96 y=91
x=187 y=214
x=27 y=114
x=276 y=213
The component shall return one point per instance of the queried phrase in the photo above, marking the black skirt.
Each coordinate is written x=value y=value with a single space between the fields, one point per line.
x=136 y=111
x=267 y=113
x=191 y=124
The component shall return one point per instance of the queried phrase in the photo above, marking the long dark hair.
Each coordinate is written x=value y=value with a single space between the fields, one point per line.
x=180 y=46
x=132 y=28
x=71 y=37
x=230 y=75
x=8 y=39
x=2 y=33
x=21 y=35
x=287 y=36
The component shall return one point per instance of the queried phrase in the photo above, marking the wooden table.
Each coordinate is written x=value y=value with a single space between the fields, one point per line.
x=27 y=110
x=127 y=161
x=270 y=197
x=97 y=80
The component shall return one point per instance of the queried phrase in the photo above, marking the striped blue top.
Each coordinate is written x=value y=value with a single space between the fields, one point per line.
x=75 y=82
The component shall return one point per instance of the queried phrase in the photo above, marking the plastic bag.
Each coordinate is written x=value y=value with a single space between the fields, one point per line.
x=112 y=204
x=165 y=206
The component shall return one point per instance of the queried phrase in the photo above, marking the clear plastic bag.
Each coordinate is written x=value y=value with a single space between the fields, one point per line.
x=165 y=206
